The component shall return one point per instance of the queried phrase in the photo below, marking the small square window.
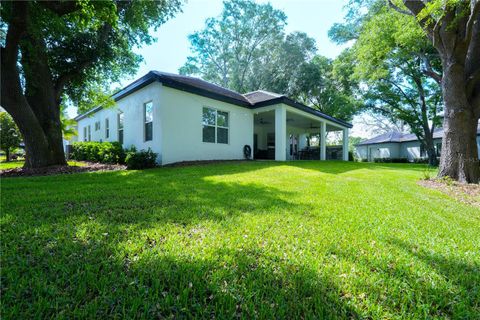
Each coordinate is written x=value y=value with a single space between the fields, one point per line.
x=215 y=126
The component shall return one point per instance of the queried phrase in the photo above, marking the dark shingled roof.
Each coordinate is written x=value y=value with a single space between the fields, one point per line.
x=203 y=88
x=170 y=80
x=397 y=137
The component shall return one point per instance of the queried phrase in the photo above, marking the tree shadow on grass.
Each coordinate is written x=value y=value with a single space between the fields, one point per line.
x=420 y=284
x=462 y=301
x=96 y=283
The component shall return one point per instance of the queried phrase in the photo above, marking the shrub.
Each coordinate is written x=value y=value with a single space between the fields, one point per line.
x=103 y=152
x=421 y=160
x=142 y=159
x=390 y=160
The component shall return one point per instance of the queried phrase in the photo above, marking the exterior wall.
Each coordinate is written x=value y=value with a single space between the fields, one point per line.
x=361 y=152
x=181 y=115
x=133 y=127
x=381 y=150
x=409 y=150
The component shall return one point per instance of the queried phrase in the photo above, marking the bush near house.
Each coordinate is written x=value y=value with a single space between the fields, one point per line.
x=390 y=160
x=142 y=159
x=113 y=153
x=423 y=160
x=103 y=152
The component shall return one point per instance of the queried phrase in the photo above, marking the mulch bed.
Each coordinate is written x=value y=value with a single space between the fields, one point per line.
x=466 y=193
x=47 y=171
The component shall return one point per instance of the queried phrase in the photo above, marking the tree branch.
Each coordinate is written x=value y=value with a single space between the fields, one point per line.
x=60 y=8
x=429 y=70
x=78 y=67
x=398 y=9
x=471 y=21
x=416 y=7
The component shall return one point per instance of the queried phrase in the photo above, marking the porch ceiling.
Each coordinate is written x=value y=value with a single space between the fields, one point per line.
x=293 y=120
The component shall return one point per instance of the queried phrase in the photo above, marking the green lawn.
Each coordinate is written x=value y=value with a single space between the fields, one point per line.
x=19 y=163
x=248 y=240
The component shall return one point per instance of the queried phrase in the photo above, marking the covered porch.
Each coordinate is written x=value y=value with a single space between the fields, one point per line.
x=282 y=133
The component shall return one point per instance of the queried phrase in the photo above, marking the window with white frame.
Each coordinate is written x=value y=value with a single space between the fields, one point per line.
x=107 y=128
x=148 y=120
x=215 y=126
x=120 y=127
x=97 y=125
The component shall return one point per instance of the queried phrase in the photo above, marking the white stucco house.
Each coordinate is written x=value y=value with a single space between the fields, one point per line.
x=399 y=145
x=183 y=118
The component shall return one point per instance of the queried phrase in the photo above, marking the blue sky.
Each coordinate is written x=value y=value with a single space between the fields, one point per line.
x=169 y=53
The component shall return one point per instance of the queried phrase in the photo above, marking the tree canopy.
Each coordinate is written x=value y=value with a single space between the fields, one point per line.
x=398 y=67
x=56 y=50
x=10 y=137
x=246 y=48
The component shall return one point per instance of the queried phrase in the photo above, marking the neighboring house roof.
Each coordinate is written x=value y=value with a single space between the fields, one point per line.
x=201 y=87
x=398 y=137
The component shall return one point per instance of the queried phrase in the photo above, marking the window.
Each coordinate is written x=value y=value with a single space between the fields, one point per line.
x=107 y=128
x=215 y=126
x=148 y=118
x=97 y=125
x=85 y=134
x=89 y=133
x=120 y=127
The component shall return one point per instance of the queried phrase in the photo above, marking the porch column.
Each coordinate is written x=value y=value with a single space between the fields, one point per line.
x=345 y=144
x=280 y=133
x=323 y=141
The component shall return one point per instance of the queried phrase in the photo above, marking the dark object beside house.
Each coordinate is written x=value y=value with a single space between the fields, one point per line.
x=390 y=160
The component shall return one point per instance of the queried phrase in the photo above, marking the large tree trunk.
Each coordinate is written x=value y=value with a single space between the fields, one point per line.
x=35 y=110
x=459 y=159
x=455 y=33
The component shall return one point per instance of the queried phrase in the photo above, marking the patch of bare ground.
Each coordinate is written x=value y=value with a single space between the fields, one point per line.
x=466 y=193
x=52 y=170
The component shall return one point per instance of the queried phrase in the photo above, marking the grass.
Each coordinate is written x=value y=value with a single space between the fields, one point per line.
x=19 y=163
x=247 y=240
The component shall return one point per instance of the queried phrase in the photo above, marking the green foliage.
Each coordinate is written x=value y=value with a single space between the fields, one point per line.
x=353 y=141
x=68 y=125
x=246 y=49
x=394 y=61
x=247 y=240
x=143 y=159
x=10 y=136
x=427 y=173
x=328 y=86
x=226 y=50
x=103 y=152
x=91 y=45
